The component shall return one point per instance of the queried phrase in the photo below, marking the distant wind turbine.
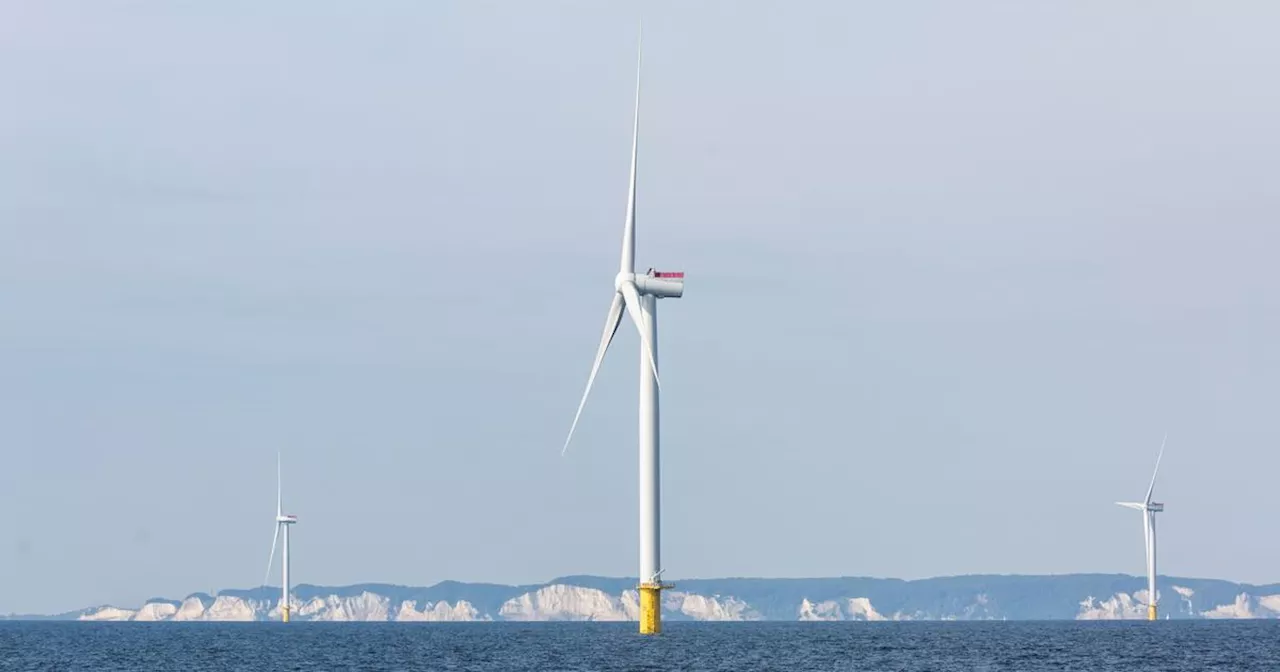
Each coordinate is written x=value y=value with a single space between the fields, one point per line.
x=282 y=521
x=639 y=295
x=1149 y=510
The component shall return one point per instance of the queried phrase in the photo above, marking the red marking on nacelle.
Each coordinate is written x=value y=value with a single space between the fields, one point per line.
x=668 y=274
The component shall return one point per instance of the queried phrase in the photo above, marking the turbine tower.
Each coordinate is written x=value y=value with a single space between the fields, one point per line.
x=284 y=521
x=639 y=294
x=1149 y=510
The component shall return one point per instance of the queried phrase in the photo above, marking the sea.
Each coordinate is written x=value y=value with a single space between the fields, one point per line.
x=1163 y=646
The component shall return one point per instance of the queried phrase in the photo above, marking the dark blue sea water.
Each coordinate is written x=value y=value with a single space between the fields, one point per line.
x=1234 y=646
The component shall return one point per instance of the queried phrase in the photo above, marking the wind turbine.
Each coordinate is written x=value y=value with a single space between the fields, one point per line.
x=1149 y=510
x=638 y=293
x=284 y=521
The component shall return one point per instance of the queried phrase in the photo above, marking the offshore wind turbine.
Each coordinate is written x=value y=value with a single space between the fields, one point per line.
x=1149 y=510
x=284 y=521
x=638 y=293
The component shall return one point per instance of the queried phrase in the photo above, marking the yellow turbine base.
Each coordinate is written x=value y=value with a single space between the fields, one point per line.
x=1151 y=612
x=651 y=608
x=284 y=614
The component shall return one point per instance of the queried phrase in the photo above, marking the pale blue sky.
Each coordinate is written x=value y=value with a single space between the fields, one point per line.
x=953 y=269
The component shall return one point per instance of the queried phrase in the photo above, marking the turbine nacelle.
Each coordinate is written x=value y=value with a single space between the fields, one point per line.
x=1154 y=507
x=286 y=519
x=664 y=285
x=661 y=284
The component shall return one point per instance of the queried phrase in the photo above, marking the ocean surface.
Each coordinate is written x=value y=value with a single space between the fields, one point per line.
x=1234 y=646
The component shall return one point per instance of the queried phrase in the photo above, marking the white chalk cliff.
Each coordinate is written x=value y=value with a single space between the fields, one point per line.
x=851 y=609
x=1134 y=606
x=969 y=598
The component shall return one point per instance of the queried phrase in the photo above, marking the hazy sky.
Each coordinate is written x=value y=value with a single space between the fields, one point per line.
x=953 y=270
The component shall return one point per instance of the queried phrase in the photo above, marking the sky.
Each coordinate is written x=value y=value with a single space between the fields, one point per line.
x=953 y=271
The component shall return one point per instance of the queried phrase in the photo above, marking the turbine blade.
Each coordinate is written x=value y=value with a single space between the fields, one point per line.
x=1159 y=455
x=628 y=264
x=611 y=323
x=279 y=489
x=1133 y=505
x=271 y=559
x=632 y=297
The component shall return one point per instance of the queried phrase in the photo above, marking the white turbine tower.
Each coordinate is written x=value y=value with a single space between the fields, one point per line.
x=1149 y=510
x=285 y=521
x=639 y=295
